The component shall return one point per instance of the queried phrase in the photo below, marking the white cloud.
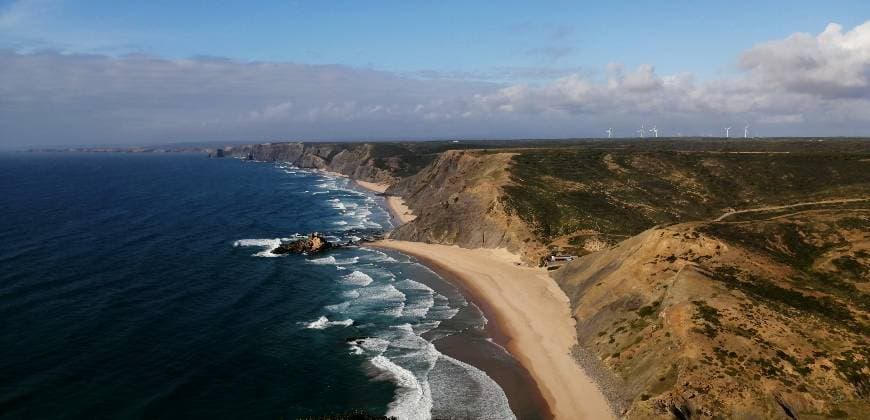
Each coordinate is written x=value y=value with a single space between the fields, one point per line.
x=801 y=84
x=271 y=112
x=832 y=64
x=780 y=119
x=800 y=79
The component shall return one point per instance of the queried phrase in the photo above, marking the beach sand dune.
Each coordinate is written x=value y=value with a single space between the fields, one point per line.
x=531 y=311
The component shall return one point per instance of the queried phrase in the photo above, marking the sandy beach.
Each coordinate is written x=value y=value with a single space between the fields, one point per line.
x=397 y=207
x=531 y=311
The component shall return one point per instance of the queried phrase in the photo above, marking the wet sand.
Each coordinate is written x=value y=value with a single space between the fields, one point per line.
x=396 y=205
x=530 y=317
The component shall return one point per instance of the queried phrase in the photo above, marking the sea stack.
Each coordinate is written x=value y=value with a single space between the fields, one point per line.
x=313 y=244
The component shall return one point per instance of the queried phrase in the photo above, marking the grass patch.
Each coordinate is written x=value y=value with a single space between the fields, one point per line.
x=709 y=317
x=623 y=191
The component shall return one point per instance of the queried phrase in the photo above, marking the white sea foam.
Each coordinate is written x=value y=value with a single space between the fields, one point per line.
x=421 y=298
x=371 y=295
x=323 y=261
x=375 y=345
x=441 y=309
x=338 y=307
x=267 y=245
x=385 y=299
x=378 y=256
x=426 y=326
x=329 y=185
x=355 y=349
x=350 y=294
x=413 y=399
x=334 y=261
x=381 y=299
x=362 y=214
x=409 y=284
x=357 y=278
x=419 y=308
x=324 y=322
x=460 y=390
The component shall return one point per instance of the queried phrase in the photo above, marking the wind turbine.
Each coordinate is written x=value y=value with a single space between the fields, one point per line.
x=609 y=132
x=746 y=132
x=655 y=130
x=641 y=131
x=727 y=132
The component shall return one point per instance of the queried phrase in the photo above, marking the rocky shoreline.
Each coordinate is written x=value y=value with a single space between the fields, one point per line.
x=609 y=384
x=316 y=243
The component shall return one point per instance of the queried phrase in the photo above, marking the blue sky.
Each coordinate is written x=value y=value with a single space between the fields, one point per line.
x=505 y=69
x=408 y=36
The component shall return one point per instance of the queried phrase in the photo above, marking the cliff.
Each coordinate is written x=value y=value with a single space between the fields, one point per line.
x=457 y=195
x=364 y=161
x=459 y=199
x=762 y=314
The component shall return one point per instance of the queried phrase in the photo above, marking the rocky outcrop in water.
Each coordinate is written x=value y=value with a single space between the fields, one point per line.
x=316 y=243
x=313 y=244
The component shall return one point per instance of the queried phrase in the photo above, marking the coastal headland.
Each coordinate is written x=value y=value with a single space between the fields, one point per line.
x=697 y=277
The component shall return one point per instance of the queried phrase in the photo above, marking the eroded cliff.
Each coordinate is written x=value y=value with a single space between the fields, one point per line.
x=363 y=161
x=459 y=199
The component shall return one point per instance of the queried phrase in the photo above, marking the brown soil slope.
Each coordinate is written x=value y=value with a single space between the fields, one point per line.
x=752 y=319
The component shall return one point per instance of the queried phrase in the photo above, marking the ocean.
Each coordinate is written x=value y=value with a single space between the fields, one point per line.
x=141 y=285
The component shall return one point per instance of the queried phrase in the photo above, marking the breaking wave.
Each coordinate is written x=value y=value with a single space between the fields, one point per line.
x=324 y=322
x=266 y=245
x=357 y=278
x=390 y=313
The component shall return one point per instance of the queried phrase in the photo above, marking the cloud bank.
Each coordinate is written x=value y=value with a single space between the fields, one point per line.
x=803 y=84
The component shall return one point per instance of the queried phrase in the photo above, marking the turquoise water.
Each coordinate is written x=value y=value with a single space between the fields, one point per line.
x=141 y=286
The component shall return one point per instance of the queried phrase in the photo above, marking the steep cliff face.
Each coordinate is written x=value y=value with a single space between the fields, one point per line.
x=456 y=195
x=458 y=199
x=762 y=318
x=358 y=161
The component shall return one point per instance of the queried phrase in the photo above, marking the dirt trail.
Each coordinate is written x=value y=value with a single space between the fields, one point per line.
x=769 y=208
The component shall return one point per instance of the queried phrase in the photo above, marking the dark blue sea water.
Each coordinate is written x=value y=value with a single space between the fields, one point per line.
x=141 y=286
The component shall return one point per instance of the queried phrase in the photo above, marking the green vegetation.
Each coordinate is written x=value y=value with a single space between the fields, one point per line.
x=649 y=309
x=850 y=266
x=786 y=242
x=622 y=191
x=854 y=366
x=766 y=291
x=799 y=244
x=709 y=316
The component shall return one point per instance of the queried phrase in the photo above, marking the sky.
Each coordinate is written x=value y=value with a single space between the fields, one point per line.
x=115 y=72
